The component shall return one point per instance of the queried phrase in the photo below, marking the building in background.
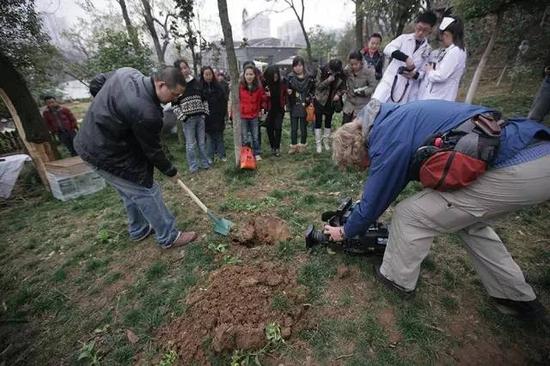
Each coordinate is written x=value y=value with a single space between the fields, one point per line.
x=291 y=33
x=269 y=50
x=256 y=26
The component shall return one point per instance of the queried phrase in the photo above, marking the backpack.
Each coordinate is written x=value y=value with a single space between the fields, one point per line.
x=454 y=159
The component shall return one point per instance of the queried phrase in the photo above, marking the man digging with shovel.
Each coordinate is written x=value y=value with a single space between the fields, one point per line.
x=120 y=138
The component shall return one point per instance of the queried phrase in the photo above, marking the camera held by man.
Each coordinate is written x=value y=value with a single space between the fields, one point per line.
x=404 y=69
x=372 y=242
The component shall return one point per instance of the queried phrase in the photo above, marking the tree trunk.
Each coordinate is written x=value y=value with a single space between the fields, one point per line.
x=27 y=118
x=481 y=65
x=150 y=23
x=304 y=32
x=359 y=20
x=132 y=33
x=234 y=73
x=308 y=44
x=402 y=18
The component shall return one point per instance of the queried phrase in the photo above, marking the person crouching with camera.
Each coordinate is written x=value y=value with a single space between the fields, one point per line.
x=478 y=168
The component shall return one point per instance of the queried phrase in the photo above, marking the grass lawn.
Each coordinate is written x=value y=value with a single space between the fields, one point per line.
x=75 y=290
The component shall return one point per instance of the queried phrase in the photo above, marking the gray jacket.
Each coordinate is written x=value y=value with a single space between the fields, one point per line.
x=359 y=89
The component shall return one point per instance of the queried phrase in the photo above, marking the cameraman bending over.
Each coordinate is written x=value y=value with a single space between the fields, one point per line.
x=409 y=54
x=386 y=138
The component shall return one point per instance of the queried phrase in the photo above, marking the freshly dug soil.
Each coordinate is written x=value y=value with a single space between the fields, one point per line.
x=262 y=230
x=234 y=310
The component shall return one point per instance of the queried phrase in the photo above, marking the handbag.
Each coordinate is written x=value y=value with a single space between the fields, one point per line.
x=338 y=105
x=310 y=113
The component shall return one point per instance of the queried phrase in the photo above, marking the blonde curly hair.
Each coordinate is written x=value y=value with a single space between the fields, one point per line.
x=348 y=148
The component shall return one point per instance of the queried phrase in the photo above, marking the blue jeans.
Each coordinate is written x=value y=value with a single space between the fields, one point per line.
x=251 y=127
x=145 y=208
x=193 y=129
x=541 y=104
x=214 y=144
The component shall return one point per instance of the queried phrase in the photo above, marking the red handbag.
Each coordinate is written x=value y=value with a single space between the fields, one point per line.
x=248 y=161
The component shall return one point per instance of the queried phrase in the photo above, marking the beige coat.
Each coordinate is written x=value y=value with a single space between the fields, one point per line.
x=359 y=89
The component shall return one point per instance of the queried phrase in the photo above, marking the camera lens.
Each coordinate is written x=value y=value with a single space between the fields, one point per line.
x=314 y=237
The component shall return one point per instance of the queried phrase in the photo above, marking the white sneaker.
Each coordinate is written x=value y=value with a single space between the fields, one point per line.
x=258 y=157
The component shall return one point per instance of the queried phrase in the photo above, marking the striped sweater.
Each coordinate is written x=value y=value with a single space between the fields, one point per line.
x=192 y=103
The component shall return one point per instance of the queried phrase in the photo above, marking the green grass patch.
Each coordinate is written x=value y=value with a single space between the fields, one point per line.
x=315 y=274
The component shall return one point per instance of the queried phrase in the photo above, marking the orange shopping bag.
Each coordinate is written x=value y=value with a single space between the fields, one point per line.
x=310 y=113
x=248 y=161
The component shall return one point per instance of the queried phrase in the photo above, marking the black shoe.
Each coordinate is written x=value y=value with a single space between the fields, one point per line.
x=524 y=310
x=277 y=152
x=401 y=291
x=144 y=235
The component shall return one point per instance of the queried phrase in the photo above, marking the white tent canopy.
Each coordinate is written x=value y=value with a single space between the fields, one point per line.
x=286 y=61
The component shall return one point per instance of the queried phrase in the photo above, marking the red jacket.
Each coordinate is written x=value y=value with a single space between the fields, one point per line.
x=66 y=119
x=251 y=101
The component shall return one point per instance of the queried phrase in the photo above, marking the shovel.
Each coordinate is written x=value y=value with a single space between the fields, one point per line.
x=221 y=225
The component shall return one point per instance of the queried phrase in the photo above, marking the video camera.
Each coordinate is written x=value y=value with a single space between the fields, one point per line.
x=403 y=69
x=372 y=242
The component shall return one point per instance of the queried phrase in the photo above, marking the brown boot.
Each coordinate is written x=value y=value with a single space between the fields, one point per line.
x=293 y=149
x=184 y=238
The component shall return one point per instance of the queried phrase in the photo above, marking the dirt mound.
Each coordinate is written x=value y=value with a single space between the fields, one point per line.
x=266 y=230
x=234 y=311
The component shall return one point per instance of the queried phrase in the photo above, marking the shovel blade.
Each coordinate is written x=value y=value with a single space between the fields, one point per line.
x=221 y=226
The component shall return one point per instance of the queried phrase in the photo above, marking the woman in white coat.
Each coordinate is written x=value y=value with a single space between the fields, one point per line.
x=442 y=75
x=412 y=52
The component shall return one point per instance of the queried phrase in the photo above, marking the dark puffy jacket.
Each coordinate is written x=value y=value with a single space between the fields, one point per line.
x=121 y=131
x=283 y=95
x=376 y=61
x=217 y=104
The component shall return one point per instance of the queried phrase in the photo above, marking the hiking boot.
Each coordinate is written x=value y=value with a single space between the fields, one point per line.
x=399 y=290
x=184 y=238
x=277 y=152
x=524 y=310
x=302 y=148
x=144 y=235
x=293 y=149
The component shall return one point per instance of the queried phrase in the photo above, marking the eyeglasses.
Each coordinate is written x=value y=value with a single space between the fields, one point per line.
x=424 y=29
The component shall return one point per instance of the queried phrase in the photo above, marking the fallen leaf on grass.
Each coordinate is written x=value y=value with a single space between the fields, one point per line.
x=132 y=337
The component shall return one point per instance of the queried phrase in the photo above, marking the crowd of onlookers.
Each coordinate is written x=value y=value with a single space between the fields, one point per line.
x=312 y=96
x=407 y=69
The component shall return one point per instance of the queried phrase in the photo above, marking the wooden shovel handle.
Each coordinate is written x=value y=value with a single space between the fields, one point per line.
x=192 y=195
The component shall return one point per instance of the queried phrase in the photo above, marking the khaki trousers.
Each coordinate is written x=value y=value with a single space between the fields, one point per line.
x=418 y=219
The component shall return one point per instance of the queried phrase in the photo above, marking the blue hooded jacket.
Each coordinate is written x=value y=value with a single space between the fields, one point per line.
x=399 y=130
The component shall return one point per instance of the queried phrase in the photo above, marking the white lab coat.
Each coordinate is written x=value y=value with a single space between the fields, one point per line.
x=406 y=44
x=443 y=81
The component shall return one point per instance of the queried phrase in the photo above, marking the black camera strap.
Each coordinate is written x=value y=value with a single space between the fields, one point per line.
x=393 y=89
